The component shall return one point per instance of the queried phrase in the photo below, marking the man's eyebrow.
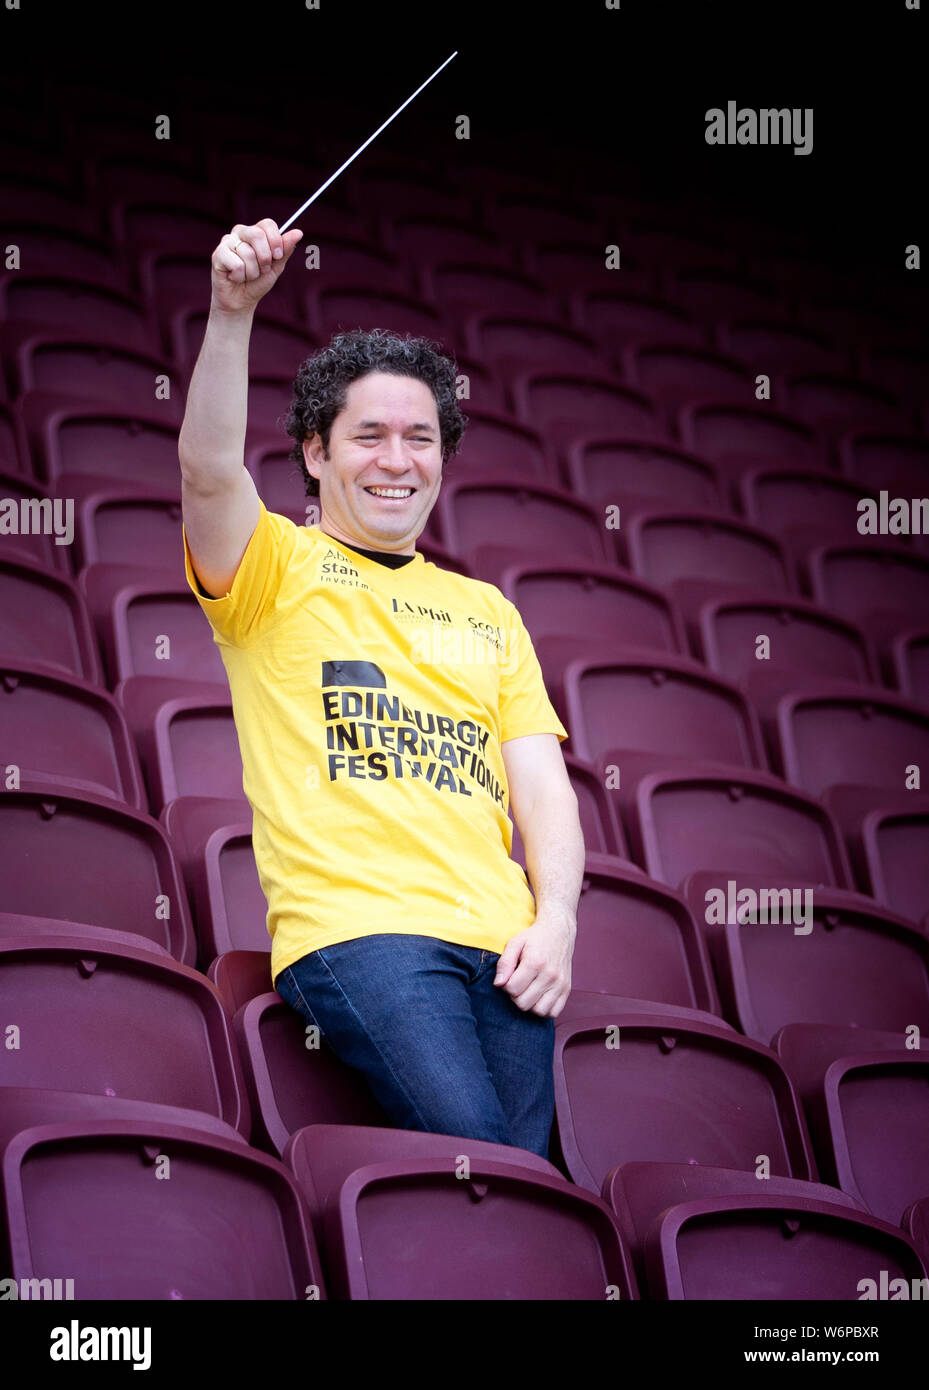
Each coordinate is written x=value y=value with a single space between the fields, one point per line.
x=379 y=425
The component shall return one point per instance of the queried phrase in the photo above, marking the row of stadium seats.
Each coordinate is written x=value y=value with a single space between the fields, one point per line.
x=679 y=1101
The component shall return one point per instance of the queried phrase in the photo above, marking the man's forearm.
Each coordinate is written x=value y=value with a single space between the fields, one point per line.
x=554 y=845
x=211 y=444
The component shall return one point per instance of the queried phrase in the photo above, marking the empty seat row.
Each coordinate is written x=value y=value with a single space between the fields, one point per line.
x=634 y=1080
x=360 y=1213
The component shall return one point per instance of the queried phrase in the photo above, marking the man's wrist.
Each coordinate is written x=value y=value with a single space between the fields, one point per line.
x=218 y=312
x=556 y=913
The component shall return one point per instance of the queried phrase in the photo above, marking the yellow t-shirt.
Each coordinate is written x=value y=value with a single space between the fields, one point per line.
x=370 y=705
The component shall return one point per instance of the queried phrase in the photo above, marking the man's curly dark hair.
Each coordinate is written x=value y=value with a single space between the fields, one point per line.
x=322 y=381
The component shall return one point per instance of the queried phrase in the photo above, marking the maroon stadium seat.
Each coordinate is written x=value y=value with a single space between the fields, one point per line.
x=150 y=626
x=514 y=344
x=57 y=302
x=22 y=925
x=83 y=858
x=128 y=171
x=664 y=545
x=655 y=703
x=673 y=374
x=877 y=585
x=600 y=823
x=765 y=1246
x=806 y=642
x=616 y=319
x=567 y=406
x=293 y=1076
x=387 y=185
x=91 y=991
x=770 y=345
x=33 y=202
x=709 y=293
x=805 y=953
x=568 y=265
x=637 y=939
x=71 y=436
x=829 y=733
x=229 y=906
x=459 y=287
x=881 y=459
x=240 y=976
x=640 y=1192
x=519 y=216
x=280 y=483
x=365 y=305
x=535 y=518
x=139 y=224
x=684 y=816
x=68 y=734
x=346 y=259
x=127 y=525
x=833 y=404
x=888 y=839
x=494 y=445
x=230 y=1224
x=725 y=433
x=390 y=1214
x=417 y=238
x=910 y=664
x=22 y=1107
x=85 y=370
x=186 y=737
x=571 y=610
x=323 y=1157
x=865 y=1093
x=800 y=508
x=671 y=1089
x=604 y=471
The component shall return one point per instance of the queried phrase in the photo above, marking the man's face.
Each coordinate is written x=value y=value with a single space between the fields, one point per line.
x=387 y=437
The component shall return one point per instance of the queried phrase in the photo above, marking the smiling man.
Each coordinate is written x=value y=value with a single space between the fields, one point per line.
x=388 y=713
x=385 y=498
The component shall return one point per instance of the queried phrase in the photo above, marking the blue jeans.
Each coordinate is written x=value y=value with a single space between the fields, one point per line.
x=443 y=1048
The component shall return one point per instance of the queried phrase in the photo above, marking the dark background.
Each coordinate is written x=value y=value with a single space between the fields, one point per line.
x=611 y=101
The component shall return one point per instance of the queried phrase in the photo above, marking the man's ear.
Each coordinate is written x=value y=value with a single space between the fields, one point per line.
x=313 y=455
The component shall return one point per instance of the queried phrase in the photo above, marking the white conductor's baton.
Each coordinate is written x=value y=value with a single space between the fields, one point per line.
x=285 y=225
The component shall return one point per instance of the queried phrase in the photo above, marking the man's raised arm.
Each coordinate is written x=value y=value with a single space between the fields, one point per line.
x=219 y=499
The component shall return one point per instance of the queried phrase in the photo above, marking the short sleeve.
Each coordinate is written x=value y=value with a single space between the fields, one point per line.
x=524 y=704
x=249 y=608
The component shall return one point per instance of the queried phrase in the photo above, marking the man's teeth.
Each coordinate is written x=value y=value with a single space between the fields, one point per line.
x=390 y=491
